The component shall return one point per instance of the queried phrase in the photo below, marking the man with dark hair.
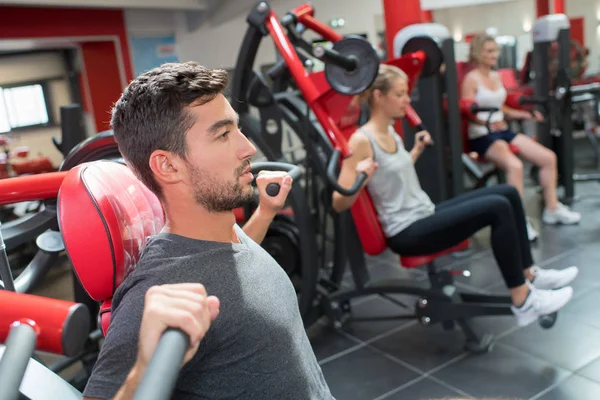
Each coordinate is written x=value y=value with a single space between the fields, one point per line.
x=180 y=136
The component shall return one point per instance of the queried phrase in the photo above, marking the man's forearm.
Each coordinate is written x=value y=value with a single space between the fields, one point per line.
x=258 y=224
x=131 y=384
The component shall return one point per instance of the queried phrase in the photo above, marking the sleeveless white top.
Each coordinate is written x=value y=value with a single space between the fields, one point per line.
x=484 y=97
x=395 y=188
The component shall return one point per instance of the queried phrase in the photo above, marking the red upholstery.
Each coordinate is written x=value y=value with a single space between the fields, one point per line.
x=367 y=225
x=105 y=215
x=417 y=261
x=509 y=79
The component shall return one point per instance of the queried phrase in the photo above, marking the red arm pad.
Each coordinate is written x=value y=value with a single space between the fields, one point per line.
x=32 y=187
x=412 y=117
x=465 y=107
x=36 y=166
x=62 y=327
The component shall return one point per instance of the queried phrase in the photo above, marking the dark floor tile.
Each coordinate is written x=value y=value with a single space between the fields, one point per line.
x=585 y=308
x=423 y=347
x=425 y=389
x=326 y=342
x=364 y=374
x=574 y=388
x=501 y=373
x=379 y=307
x=569 y=344
x=591 y=371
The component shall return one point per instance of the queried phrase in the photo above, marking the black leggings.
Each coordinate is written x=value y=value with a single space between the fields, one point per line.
x=457 y=219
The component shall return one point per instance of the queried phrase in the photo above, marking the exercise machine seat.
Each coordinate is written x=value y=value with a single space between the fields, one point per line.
x=417 y=261
x=105 y=216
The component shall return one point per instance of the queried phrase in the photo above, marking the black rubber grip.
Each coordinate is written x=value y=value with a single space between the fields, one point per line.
x=360 y=180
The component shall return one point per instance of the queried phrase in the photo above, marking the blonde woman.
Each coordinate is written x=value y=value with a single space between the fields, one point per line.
x=484 y=86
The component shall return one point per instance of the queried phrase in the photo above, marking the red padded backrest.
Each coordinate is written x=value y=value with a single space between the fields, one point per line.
x=462 y=69
x=509 y=79
x=105 y=216
x=367 y=225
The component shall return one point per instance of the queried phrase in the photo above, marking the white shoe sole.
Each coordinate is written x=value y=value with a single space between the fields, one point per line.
x=530 y=318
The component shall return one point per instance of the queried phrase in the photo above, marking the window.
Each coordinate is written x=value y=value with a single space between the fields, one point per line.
x=22 y=106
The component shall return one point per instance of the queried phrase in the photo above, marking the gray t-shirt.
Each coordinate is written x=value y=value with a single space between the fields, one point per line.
x=257 y=347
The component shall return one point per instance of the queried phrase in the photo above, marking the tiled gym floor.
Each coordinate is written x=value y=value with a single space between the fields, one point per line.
x=403 y=360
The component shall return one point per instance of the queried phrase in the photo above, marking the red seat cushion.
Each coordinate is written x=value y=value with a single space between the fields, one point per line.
x=417 y=261
x=105 y=215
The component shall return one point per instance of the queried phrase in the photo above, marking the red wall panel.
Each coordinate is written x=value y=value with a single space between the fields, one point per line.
x=103 y=78
x=94 y=30
x=40 y=22
x=577 y=30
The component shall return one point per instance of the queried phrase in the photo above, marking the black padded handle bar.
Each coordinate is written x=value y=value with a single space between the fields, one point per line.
x=477 y=109
x=20 y=345
x=294 y=171
x=333 y=162
x=162 y=372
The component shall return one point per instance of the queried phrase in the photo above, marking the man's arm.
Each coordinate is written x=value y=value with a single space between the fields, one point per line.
x=185 y=306
x=258 y=224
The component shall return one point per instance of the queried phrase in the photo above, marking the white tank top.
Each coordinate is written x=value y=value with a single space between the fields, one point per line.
x=485 y=97
x=395 y=188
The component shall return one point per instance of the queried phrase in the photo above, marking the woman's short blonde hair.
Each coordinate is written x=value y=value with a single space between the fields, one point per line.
x=476 y=48
x=386 y=76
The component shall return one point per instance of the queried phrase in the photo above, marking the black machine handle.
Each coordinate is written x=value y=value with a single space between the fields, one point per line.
x=331 y=175
x=533 y=100
x=334 y=57
x=477 y=109
x=20 y=345
x=277 y=70
x=294 y=171
x=162 y=372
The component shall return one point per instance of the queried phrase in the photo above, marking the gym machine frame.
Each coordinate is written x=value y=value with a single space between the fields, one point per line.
x=556 y=132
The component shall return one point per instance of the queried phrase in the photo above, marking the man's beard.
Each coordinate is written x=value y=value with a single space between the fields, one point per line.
x=217 y=195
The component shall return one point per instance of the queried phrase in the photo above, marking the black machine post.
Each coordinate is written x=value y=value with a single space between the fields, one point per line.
x=439 y=168
x=559 y=138
x=73 y=128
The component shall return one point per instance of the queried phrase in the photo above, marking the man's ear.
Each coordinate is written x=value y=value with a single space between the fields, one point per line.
x=167 y=167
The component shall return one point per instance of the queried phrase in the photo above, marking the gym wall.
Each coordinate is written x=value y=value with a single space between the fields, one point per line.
x=229 y=26
x=102 y=37
x=516 y=19
x=48 y=67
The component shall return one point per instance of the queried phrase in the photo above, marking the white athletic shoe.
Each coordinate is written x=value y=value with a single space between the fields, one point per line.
x=561 y=215
x=553 y=278
x=532 y=234
x=541 y=302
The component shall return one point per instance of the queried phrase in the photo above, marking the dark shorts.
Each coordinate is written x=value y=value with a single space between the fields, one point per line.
x=483 y=143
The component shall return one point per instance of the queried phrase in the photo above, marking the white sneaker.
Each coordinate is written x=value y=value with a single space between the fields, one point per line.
x=541 y=302
x=532 y=234
x=553 y=278
x=561 y=215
